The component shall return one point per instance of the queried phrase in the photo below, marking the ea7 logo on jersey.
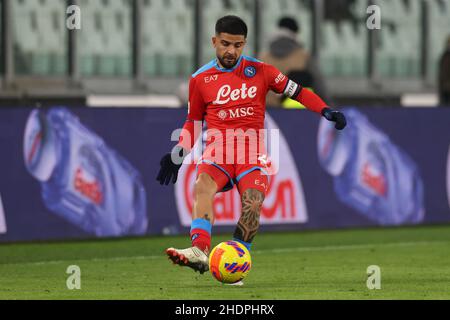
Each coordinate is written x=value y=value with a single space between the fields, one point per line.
x=225 y=94
x=260 y=183
x=211 y=78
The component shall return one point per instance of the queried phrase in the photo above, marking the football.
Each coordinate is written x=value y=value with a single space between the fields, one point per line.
x=230 y=262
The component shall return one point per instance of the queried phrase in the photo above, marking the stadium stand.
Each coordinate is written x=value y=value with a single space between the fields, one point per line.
x=272 y=11
x=439 y=31
x=39 y=30
x=105 y=38
x=399 y=45
x=1 y=44
x=168 y=51
x=344 y=49
x=168 y=37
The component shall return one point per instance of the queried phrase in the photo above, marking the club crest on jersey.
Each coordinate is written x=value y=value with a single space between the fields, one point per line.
x=250 y=71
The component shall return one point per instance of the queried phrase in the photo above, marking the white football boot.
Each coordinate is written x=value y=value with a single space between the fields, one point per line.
x=192 y=257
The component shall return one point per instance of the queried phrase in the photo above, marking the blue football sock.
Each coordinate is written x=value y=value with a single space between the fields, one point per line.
x=248 y=245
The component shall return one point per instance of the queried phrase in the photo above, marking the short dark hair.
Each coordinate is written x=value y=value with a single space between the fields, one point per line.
x=232 y=25
x=289 y=23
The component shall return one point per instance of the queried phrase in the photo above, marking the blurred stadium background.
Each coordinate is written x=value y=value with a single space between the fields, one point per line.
x=152 y=46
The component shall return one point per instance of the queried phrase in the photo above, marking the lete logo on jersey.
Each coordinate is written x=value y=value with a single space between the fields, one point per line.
x=2 y=218
x=225 y=94
x=284 y=202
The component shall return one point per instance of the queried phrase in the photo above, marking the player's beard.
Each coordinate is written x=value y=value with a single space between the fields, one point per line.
x=228 y=61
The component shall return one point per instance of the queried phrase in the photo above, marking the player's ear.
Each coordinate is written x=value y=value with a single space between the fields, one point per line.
x=214 y=41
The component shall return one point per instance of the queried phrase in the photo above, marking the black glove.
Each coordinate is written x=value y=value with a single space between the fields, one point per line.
x=169 y=169
x=336 y=116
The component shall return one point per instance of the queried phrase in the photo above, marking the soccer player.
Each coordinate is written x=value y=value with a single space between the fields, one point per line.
x=229 y=93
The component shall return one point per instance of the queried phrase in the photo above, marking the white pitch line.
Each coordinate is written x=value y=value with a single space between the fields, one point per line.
x=277 y=250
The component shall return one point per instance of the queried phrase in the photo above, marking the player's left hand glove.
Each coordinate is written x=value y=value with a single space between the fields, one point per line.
x=335 y=116
x=169 y=168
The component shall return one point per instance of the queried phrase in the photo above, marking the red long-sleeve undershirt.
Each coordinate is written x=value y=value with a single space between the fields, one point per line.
x=311 y=100
x=189 y=135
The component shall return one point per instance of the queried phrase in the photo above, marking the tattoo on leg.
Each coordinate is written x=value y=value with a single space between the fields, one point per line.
x=249 y=221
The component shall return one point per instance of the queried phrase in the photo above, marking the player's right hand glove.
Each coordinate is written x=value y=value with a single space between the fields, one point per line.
x=335 y=116
x=169 y=169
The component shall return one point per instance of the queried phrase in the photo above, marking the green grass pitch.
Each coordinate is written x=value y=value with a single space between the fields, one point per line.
x=414 y=263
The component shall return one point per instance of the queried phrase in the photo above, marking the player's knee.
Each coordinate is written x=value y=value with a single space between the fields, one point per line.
x=205 y=186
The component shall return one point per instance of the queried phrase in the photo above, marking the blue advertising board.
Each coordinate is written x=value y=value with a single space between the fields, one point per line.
x=85 y=173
